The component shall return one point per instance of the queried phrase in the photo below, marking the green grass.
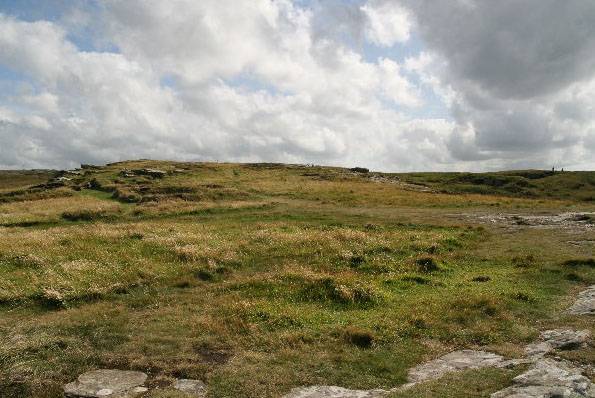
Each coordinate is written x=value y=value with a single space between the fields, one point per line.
x=259 y=278
x=524 y=183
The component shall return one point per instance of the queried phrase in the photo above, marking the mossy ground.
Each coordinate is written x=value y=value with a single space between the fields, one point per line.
x=259 y=278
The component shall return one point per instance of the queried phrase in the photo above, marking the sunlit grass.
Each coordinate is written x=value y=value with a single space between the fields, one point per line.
x=263 y=279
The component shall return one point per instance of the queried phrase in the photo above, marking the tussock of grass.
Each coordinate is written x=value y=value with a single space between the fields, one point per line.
x=426 y=264
x=358 y=337
x=342 y=293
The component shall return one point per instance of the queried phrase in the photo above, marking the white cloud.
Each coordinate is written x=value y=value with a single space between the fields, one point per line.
x=272 y=80
x=388 y=23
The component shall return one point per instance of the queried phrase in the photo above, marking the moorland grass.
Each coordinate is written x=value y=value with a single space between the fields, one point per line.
x=259 y=278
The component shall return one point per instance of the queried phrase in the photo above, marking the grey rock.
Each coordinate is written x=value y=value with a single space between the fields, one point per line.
x=194 y=388
x=333 y=392
x=549 y=378
x=511 y=363
x=155 y=173
x=585 y=303
x=537 y=350
x=109 y=383
x=455 y=361
x=565 y=339
x=557 y=339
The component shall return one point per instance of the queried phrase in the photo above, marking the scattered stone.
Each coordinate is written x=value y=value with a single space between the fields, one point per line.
x=455 y=361
x=62 y=179
x=126 y=173
x=151 y=172
x=549 y=378
x=333 y=392
x=194 y=388
x=107 y=383
x=585 y=303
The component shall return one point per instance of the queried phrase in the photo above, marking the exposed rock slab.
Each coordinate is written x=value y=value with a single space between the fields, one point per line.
x=107 y=383
x=569 y=220
x=453 y=362
x=557 y=339
x=193 y=388
x=333 y=392
x=548 y=378
x=585 y=303
x=565 y=339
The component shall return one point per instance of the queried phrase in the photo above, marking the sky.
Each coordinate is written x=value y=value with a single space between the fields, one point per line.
x=392 y=85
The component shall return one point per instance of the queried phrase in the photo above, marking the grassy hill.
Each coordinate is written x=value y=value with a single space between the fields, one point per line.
x=257 y=278
x=578 y=185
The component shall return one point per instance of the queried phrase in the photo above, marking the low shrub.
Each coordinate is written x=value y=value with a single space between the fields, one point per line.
x=327 y=289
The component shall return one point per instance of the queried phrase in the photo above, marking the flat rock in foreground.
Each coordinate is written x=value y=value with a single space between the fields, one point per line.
x=333 y=392
x=585 y=303
x=453 y=362
x=557 y=339
x=549 y=378
x=107 y=383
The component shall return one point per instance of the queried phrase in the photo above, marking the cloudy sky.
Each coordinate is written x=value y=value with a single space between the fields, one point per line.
x=393 y=85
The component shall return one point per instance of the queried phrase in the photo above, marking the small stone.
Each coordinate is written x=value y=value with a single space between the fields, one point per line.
x=195 y=388
x=333 y=392
x=106 y=383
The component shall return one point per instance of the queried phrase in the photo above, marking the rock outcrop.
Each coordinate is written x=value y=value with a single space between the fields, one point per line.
x=107 y=383
x=333 y=392
x=549 y=378
x=453 y=362
x=585 y=303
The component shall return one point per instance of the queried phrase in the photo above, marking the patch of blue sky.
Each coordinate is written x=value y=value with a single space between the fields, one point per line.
x=35 y=10
x=249 y=82
x=168 y=81
x=57 y=11
x=13 y=82
x=433 y=106
x=399 y=52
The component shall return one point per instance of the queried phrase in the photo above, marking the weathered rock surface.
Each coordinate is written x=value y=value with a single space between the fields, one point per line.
x=565 y=339
x=194 y=388
x=557 y=339
x=568 y=220
x=108 y=383
x=452 y=362
x=585 y=303
x=333 y=392
x=549 y=378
